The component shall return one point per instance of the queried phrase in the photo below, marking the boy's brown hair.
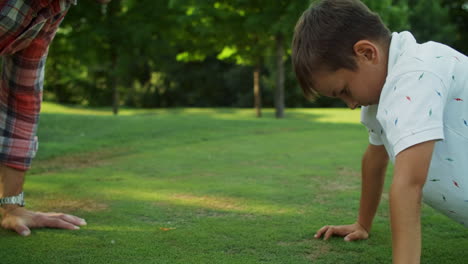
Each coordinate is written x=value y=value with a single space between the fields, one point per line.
x=325 y=35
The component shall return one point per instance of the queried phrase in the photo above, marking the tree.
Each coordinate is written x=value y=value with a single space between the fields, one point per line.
x=159 y=53
x=458 y=16
x=430 y=21
x=249 y=31
x=110 y=48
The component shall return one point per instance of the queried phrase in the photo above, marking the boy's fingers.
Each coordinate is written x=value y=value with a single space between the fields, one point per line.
x=329 y=233
x=351 y=237
x=356 y=236
x=321 y=231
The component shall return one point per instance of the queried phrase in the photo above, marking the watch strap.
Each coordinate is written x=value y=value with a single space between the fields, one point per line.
x=18 y=199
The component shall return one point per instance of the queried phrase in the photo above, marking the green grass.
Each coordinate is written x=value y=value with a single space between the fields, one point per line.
x=207 y=186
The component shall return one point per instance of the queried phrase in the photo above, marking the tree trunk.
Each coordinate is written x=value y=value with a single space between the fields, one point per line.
x=257 y=92
x=114 y=84
x=279 y=93
x=111 y=12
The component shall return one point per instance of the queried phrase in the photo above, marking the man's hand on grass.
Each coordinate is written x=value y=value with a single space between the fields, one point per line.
x=349 y=232
x=21 y=220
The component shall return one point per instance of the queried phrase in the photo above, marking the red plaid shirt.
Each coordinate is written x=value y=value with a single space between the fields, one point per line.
x=27 y=27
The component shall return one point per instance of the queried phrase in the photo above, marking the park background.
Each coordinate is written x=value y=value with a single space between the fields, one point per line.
x=205 y=53
x=148 y=131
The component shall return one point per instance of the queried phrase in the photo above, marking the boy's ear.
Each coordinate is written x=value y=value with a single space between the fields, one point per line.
x=366 y=51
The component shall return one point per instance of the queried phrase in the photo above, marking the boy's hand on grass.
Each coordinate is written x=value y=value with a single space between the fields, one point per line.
x=349 y=232
x=21 y=220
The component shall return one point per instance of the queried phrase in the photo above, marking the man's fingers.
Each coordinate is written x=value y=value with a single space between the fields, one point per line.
x=72 y=219
x=65 y=217
x=17 y=226
x=21 y=220
x=54 y=222
x=22 y=230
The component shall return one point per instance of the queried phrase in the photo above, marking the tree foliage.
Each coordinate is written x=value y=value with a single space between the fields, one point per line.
x=166 y=53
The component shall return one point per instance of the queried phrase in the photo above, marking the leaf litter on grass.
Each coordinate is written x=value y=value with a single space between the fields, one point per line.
x=65 y=204
x=98 y=158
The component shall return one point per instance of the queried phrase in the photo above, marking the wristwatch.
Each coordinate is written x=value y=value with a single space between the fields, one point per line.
x=18 y=199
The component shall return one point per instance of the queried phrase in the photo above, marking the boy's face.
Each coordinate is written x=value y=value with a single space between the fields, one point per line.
x=356 y=88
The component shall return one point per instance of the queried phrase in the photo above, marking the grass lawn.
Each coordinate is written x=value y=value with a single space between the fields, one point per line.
x=207 y=186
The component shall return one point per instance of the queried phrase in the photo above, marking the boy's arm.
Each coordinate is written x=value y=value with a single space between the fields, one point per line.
x=374 y=165
x=411 y=168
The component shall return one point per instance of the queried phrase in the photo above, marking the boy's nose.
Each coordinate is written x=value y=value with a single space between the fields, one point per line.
x=351 y=104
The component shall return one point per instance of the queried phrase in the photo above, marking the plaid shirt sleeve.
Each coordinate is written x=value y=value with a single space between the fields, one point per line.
x=26 y=30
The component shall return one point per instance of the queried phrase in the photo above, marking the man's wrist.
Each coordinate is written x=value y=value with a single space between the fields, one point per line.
x=16 y=200
x=9 y=207
x=5 y=208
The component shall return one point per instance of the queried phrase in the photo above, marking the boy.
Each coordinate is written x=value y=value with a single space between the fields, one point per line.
x=26 y=31
x=414 y=100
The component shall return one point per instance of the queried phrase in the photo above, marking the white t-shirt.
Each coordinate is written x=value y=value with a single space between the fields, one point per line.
x=425 y=97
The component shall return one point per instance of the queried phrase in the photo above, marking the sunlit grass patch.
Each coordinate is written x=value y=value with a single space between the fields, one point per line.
x=323 y=115
x=334 y=115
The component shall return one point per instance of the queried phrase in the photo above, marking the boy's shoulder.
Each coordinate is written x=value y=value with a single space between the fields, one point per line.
x=407 y=56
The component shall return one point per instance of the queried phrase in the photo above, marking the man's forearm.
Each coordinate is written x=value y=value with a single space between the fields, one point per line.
x=11 y=181
x=374 y=165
